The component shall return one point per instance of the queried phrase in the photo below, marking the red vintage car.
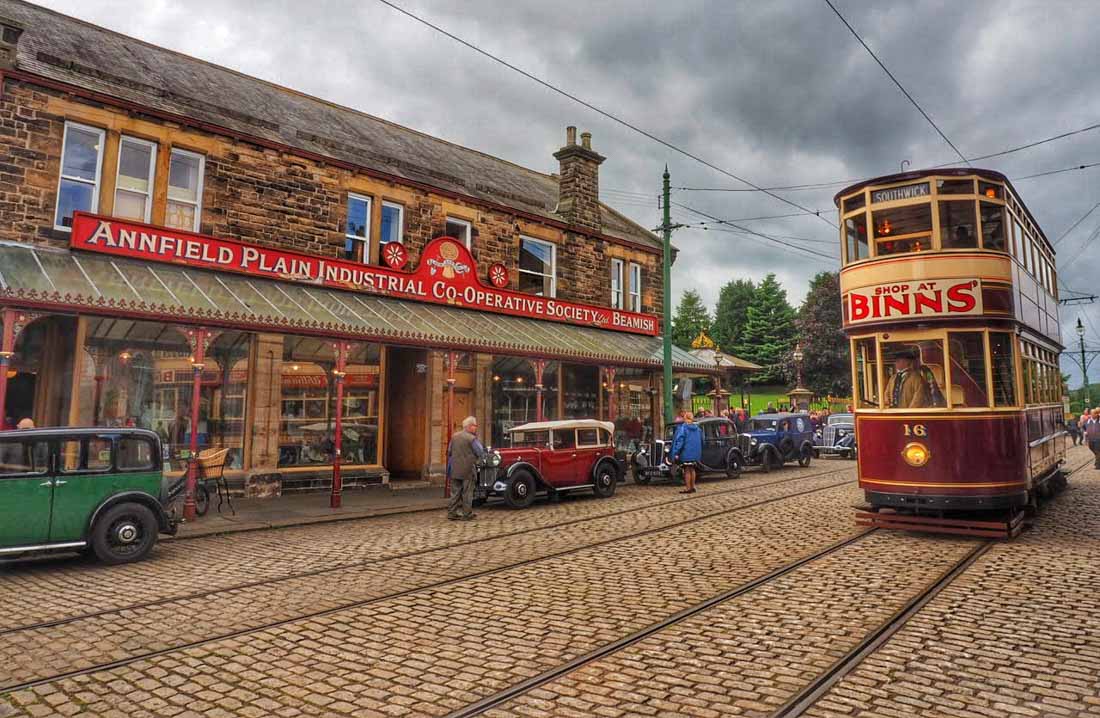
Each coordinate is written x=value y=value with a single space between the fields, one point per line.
x=552 y=458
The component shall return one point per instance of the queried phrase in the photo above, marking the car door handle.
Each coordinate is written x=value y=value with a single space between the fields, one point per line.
x=573 y=456
x=46 y=483
x=59 y=482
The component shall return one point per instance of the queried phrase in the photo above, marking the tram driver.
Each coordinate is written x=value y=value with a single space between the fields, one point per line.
x=907 y=388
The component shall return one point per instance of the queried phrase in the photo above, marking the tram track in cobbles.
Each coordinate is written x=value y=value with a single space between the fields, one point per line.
x=435 y=649
x=113 y=638
x=709 y=495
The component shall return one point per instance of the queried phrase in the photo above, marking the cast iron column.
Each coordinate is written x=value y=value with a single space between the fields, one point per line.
x=613 y=401
x=451 y=360
x=338 y=374
x=198 y=347
x=540 y=367
x=7 y=350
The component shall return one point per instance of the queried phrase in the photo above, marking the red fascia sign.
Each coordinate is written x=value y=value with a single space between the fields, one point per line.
x=447 y=273
x=913 y=300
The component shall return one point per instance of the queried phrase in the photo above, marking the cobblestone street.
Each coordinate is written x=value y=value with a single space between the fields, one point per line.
x=769 y=581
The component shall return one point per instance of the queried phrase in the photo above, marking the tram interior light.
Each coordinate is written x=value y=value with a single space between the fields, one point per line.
x=885 y=227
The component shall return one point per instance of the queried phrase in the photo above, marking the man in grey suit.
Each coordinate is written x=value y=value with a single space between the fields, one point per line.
x=462 y=456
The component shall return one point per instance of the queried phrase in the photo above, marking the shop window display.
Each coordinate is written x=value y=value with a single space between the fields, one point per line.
x=515 y=395
x=308 y=403
x=580 y=391
x=634 y=408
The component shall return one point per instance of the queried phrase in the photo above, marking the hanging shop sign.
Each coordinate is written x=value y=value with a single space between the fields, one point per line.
x=913 y=300
x=446 y=273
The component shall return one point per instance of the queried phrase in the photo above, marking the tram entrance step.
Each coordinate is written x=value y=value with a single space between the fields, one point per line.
x=1006 y=527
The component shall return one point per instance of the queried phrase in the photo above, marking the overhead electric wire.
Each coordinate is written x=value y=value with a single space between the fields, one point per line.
x=604 y=113
x=719 y=220
x=1055 y=172
x=1084 y=246
x=900 y=87
x=1028 y=146
x=1074 y=225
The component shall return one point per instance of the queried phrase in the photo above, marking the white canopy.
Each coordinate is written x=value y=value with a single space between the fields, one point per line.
x=566 y=424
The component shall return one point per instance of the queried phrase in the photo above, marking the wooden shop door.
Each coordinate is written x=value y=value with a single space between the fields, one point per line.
x=406 y=412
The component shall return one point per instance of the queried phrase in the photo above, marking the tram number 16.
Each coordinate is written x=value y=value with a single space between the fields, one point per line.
x=915 y=430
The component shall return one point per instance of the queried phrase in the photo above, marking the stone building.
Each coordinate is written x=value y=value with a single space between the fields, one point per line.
x=126 y=168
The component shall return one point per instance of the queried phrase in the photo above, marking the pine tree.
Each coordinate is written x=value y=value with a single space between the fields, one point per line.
x=825 y=366
x=729 y=314
x=768 y=334
x=691 y=317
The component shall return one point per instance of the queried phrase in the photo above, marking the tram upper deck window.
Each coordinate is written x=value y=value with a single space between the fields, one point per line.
x=855 y=229
x=1004 y=369
x=992 y=191
x=914 y=374
x=958 y=226
x=866 y=367
x=993 y=226
x=854 y=202
x=903 y=229
x=967 y=351
x=961 y=186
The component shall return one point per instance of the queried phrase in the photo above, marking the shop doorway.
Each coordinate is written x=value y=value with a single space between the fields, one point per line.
x=406 y=412
x=19 y=402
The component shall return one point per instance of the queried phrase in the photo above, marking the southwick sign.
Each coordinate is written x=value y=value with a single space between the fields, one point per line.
x=913 y=300
x=447 y=273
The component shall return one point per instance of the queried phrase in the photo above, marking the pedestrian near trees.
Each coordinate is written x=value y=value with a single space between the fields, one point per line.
x=687 y=450
x=1092 y=436
x=462 y=456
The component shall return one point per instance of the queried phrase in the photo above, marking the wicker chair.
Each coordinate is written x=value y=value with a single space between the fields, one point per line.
x=212 y=468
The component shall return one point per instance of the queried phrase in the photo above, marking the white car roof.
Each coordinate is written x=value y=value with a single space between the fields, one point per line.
x=566 y=424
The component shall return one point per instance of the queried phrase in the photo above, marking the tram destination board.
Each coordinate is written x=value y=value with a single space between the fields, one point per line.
x=908 y=191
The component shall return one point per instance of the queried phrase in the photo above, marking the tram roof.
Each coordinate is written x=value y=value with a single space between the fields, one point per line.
x=944 y=172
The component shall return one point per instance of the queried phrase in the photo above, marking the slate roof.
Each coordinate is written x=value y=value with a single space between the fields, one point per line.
x=69 y=50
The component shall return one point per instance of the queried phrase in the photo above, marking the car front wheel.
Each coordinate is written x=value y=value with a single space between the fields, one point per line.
x=604 y=484
x=805 y=455
x=770 y=461
x=521 y=491
x=124 y=534
x=733 y=465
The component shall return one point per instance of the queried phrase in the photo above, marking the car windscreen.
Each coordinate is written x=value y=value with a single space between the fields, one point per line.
x=840 y=419
x=764 y=424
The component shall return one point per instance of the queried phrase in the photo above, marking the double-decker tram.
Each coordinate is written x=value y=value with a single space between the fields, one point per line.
x=950 y=304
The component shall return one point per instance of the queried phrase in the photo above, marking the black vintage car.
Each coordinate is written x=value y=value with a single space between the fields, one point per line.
x=837 y=437
x=721 y=453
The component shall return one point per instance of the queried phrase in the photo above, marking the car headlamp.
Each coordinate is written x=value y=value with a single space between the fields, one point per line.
x=752 y=441
x=494 y=459
x=916 y=454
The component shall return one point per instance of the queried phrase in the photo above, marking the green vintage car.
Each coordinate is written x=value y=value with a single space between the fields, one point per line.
x=98 y=491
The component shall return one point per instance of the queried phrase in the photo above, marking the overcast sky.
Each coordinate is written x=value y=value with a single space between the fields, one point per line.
x=776 y=92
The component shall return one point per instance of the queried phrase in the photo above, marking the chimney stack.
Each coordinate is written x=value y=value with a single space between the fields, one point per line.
x=10 y=32
x=579 y=181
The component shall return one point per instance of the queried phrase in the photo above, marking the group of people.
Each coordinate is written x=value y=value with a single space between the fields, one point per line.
x=1086 y=430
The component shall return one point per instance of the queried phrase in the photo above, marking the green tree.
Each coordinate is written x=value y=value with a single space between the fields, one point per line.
x=825 y=366
x=691 y=317
x=730 y=312
x=768 y=334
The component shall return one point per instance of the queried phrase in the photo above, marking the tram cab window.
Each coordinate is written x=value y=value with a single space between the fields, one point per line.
x=855 y=229
x=993 y=191
x=993 y=226
x=965 y=186
x=957 y=225
x=1004 y=369
x=967 y=352
x=866 y=366
x=914 y=374
x=903 y=229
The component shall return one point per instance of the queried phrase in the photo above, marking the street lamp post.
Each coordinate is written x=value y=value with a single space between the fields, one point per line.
x=1084 y=365
x=797 y=356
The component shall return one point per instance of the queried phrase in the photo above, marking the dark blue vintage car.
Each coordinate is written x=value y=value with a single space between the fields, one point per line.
x=774 y=439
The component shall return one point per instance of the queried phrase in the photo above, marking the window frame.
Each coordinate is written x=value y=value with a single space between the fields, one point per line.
x=96 y=185
x=400 y=222
x=468 y=226
x=635 y=287
x=553 y=264
x=152 y=175
x=617 y=266
x=364 y=242
x=172 y=152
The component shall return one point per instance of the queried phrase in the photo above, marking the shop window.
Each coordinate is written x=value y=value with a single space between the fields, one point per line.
x=515 y=395
x=616 y=284
x=580 y=391
x=307 y=428
x=993 y=226
x=635 y=288
x=1004 y=369
x=865 y=355
x=357 y=230
x=968 y=388
x=460 y=229
x=81 y=163
x=957 y=225
x=634 y=408
x=134 y=185
x=393 y=223
x=185 y=174
x=537 y=265
x=855 y=228
x=961 y=186
x=914 y=374
x=903 y=229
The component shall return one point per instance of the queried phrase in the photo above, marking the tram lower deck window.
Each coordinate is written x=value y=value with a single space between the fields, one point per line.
x=865 y=354
x=914 y=374
x=1004 y=369
x=967 y=352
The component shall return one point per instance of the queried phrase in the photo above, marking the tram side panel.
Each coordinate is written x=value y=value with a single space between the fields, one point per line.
x=969 y=462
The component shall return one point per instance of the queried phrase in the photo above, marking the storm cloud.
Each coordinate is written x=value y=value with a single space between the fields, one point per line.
x=776 y=92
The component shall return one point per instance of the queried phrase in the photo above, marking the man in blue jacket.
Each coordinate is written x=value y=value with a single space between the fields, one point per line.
x=687 y=450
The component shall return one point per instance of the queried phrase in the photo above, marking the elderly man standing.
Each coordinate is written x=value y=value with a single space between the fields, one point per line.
x=462 y=456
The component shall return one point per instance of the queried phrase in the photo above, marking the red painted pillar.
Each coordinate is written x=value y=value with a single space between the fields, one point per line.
x=613 y=403
x=451 y=359
x=336 y=499
x=7 y=350
x=197 y=339
x=540 y=367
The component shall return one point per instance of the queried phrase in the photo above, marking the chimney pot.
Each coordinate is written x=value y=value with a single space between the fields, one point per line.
x=570 y=136
x=10 y=31
x=586 y=140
